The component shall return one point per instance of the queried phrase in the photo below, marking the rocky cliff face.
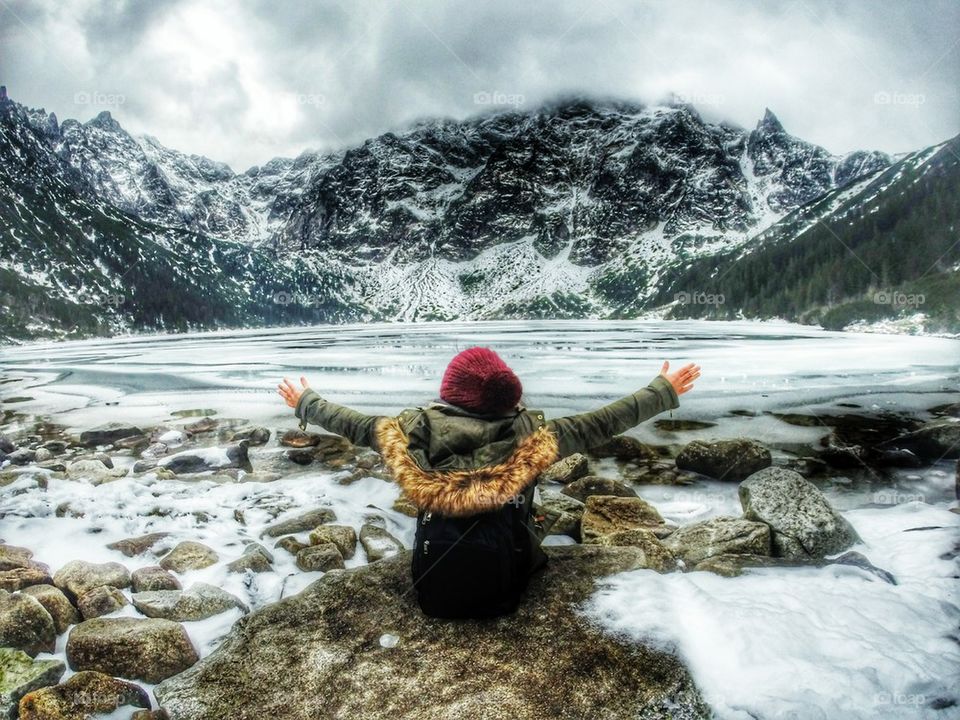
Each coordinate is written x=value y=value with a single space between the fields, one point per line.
x=575 y=209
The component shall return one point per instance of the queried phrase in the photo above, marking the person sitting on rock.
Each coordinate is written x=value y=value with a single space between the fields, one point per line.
x=468 y=461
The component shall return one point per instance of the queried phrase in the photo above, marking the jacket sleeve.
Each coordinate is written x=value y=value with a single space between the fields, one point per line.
x=577 y=433
x=357 y=427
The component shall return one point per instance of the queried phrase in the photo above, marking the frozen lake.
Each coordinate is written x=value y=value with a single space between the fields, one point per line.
x=566 y=367
x=801 y=643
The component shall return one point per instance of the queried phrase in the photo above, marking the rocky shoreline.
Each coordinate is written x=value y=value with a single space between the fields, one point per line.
x=126 y=623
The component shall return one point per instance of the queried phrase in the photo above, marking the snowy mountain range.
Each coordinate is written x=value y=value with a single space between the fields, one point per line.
x=576 y=209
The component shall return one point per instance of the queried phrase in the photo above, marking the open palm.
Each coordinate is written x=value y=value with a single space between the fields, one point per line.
x=682 y=379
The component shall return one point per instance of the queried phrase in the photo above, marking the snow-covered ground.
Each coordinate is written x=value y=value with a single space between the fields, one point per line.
x=799 y=643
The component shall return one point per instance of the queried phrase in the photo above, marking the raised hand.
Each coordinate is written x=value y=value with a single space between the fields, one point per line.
x=290 y=392
x=682 y=379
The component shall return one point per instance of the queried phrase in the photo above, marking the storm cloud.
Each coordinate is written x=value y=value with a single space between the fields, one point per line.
x=243 y=81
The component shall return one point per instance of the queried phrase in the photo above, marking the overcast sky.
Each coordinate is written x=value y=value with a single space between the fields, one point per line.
x=243 y=81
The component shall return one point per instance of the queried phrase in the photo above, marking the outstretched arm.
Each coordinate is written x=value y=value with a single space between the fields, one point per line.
x=309 y=407
x=577 y=433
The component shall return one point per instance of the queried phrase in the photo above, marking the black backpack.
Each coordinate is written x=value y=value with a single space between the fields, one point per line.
x=476 y=566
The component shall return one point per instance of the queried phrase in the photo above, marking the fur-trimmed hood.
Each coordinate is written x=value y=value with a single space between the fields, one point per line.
x=462 y=492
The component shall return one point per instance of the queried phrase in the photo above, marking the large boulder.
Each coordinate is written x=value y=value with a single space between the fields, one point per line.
x=93 y=471
x=655 y=555
x=78 y=576
x=320 y=558
x=565 y=513
x=133 y=546
x=20 y=674
x=802 y=521
x=12 y=557
x=378 y=543
x=101 y=600
x=724 y=459
x=304 y=522
x=719 y=536
x=153 y=577
x=109 y=433
x=207 y=459
x=189 y=555
x=605 y=514
x=624 y=447
x=595 y=485
x=197 y=602
x=343 y=536
x=355 y=644
x=82 y=696
x=19 y=578
x=62 y=611
x=25 y=624
x=566 y=470
x=148 y=649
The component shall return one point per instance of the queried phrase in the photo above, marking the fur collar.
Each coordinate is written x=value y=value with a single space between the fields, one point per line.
x=458 y=493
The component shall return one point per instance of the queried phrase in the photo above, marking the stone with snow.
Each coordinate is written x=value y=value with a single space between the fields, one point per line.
x=198 y=602
x=802 y=522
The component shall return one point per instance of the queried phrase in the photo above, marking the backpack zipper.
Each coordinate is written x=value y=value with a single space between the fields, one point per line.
x=426 y=547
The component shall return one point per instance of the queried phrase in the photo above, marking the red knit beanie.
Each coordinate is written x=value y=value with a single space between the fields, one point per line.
x=478 y=380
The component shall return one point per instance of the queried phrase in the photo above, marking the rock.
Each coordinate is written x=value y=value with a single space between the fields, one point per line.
x=605 y=514
x=403 y=506
x=6 y=444
x=655 y=556
x=255 y=558
x=343 y=536
x=19 y=578
x=154 y=451
x=25 y=624
x=215 y=458
x=290 y=544
x=300 y=439
x=82 y=696
x=595 y=485
x=567 y=510
x=734 y=565
x=159 y=714
x=94 y=471
x=934 y=441
x=802 y=522
x=62 y=611
x=719 y=536
x=724 y=459
x=300 y=456
x=78 y=576
x=855 y=559
x=42 y=455
x=144 y=466
x=305 y=522
x=682 y=425
x=99 y=601
x=153 y=577
x=12 y=557
x=318 y=654
x=21 y=674
x=189 y=555
x=624 y=447
x=566 y=470
x=104 y=458
x=204 y=425
x=378 y=543
x=198 y=602
x=22 y=456
x=134 y=546
x=949 y=409
x=55 y=446
x=148 y=649
x=107 y=434
x=256 y=435
x=55 y=466
x=320 y=557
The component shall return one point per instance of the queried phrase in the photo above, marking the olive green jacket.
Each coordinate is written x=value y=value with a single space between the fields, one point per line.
x=448 y=437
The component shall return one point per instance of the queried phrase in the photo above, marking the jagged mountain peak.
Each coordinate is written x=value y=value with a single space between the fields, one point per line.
x=769 y=124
